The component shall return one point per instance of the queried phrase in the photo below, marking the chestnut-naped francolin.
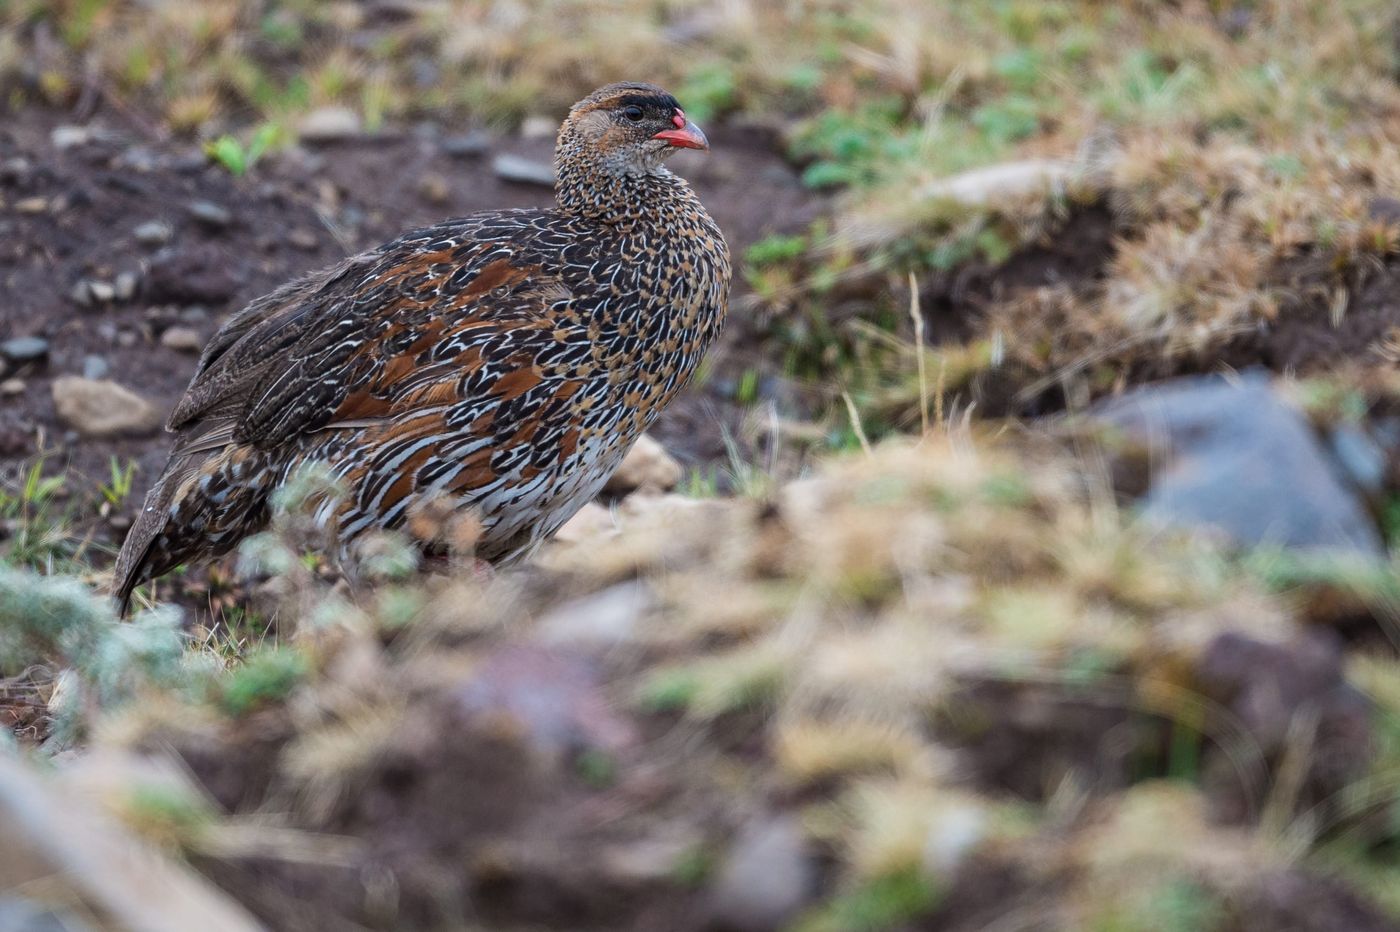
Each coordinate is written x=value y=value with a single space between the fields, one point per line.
x=504 y=362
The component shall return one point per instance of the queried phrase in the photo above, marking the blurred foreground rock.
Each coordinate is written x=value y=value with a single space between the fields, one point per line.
x=66 y=856
x=1238 y=458
x=646 y=466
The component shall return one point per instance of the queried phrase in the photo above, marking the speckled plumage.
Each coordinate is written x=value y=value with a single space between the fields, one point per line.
x=508 y=359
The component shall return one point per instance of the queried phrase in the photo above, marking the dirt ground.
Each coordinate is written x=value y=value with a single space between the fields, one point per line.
x=74 y=213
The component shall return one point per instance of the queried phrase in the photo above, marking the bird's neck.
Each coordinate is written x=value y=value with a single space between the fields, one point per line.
x=621 y=197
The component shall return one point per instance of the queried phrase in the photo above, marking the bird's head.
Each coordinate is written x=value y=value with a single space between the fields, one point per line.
x=627 y=129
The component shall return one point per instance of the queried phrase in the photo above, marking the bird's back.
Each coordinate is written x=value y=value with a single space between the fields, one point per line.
x=505 y=360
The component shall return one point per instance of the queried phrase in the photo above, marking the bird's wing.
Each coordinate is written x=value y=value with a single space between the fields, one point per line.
x=450 y=310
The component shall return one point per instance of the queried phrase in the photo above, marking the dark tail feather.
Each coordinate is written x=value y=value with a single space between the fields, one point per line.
x=133 y=563
x=212 y=516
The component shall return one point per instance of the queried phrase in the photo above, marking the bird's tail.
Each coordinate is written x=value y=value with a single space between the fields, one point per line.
x=201 y=507
x=134 y=560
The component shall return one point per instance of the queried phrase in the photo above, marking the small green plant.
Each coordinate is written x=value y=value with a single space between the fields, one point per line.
x=709 y=90
x=746 y=393
x=234 y=632
x=57 y=623
x=38 y=521
x=237 y=158
x=167 y=816
x=266 y=676
x=776 y=248
x=885 y=902
x=118 y=488
x=700 y=484
x=669 y=690
x=693 y=867
x=596 y=768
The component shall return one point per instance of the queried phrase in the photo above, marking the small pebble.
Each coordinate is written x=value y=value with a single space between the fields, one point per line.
x=538 y=127
x=67 y=137
x=32 y=205
x=522 y=170
x=81 y=293
x=102 y=291
x=303 y=239
x=211 y=215
x=434 y=188
x=329 y=124
x=15 y=170
x=190 y=163
x=125 y=285
x=137 y=159
x=11 y=387
x=25 y=349
x=153 y=233
x=95 y=367
x=182 y=339
x=471 y=145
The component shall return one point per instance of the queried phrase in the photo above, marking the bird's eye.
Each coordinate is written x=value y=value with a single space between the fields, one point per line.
x=633 y=113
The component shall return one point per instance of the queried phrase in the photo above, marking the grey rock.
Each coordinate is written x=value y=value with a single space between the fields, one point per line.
x=1238 y=458
x=153 y=233
x=520 y=170
x=95 y=367
x=21 y=350
x=472 y=145
x=767 y=877
x=103 y=292
x=12 y=387
x=210 y=215
x=1360 y=458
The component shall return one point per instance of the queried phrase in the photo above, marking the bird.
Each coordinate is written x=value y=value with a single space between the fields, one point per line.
x=504 y=361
